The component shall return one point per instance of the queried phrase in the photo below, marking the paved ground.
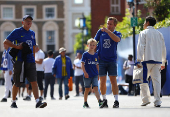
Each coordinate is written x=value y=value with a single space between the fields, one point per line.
x=129 y=107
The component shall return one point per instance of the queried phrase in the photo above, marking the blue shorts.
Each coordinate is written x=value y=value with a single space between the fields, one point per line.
x=90 y=81
x=110 y=67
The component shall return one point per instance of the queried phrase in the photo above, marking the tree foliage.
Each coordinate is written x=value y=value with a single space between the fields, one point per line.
x=78 y=41
x=161 y=8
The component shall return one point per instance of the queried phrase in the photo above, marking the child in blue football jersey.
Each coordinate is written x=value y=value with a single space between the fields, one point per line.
x=90 y=68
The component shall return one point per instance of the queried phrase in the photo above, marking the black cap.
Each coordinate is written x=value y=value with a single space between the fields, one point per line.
x=26 y=16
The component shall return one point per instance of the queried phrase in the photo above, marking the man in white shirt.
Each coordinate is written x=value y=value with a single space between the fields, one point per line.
x=152 y=51
x=39 y=57
x=49 y=78
x=128 y=67
x=78 y=73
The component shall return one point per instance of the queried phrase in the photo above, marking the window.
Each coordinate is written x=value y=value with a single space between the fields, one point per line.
x=49 y=13
x=29 y=11
x=6 y=33
x=76 y=20
x=78 y=1
x=8 y=13
x=115 y=6
x=50 y=40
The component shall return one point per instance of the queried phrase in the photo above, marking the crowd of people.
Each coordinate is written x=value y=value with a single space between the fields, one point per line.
x=26 y=64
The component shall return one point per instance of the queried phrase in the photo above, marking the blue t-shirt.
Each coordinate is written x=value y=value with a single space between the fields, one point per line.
x=107 y=48
x=90 y=62
x=20 y=35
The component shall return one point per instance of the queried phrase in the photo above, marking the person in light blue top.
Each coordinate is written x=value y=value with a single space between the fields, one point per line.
x=90 y=68
x=7 y=67
x=108 y=39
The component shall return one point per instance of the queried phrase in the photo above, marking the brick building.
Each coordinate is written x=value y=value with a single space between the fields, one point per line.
x=102 y=8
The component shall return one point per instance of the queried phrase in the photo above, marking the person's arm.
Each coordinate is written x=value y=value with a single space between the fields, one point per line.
x=163 y=54
x=34 y=51
x=10 y=64
x=39 y=61
x=54 y=67
x=125 y=66
x=141 y=46
x=111 y=34
x=83 y=68
x=10 y=44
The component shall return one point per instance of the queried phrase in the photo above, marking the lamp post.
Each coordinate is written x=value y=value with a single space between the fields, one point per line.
x=133 y=24
x=83 y=28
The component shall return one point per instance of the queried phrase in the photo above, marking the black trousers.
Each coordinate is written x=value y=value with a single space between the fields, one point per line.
x=79 y=79
x=49 y=79
x=130 y=83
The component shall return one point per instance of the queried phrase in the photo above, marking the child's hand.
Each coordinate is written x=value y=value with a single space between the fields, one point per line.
x=86 y=75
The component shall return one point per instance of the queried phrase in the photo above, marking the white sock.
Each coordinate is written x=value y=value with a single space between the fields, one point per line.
x=104 y=96
x=37 y=100
x=13 y=101
x=116 y=97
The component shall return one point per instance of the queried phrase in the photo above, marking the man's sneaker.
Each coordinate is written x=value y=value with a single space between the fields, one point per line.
x=4 y=100
x=52 y=98
x=13 y=105
x=76 y=95
x=100 y=102
x=157 y=105
x=67 y=96
x=144 y=104
x=60 y=98
x=116 y=104
x=41 y=98
x=86 y=105
x=41 y=104
x=104 y=104
x=27 y=98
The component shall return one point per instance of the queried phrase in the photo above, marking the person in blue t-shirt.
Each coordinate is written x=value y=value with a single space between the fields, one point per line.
x=15 y=40
x=90 y=68
x=108 y=39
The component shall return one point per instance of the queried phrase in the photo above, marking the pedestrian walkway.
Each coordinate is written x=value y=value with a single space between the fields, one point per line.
x=73 y=107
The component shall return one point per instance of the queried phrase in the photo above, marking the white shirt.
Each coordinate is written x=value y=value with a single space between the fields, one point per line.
x=47 y=64
x=151 y=46
x=39 y=55
x=78 y=71
x=129 y=64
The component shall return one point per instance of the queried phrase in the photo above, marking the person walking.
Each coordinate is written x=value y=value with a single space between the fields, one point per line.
x=128 y=67
x=62 y=70
x=7 y=67
x=90 y=68
x=151 y=51
x=39 y=57
x=78 y=73
x=49 y=78
x=108 y=39
x=24 y=44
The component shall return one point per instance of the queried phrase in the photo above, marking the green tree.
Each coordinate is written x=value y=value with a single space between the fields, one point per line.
x=161 y=8
x=78 y=41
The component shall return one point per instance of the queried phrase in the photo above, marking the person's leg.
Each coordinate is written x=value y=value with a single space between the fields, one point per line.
x=52 y=82
x=35 y=89
x=130 y=84
x=40 y=76
x=77 y=84
x=86 y=94
x=7 y=84
x=102 y=75
x=115 y=88
x=47 y=82
x=65 y=78
x=60 y=87
x=14 y=92
x=156 y=79
x=145 y=92
x=82 y=83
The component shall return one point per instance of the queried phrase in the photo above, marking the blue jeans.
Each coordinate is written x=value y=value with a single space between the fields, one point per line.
x=60 y=80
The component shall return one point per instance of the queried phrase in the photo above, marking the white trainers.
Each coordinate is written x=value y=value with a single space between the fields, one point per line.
x=144 y=104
